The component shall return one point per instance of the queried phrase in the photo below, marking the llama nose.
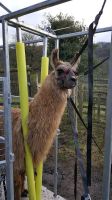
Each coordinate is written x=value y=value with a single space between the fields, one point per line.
x=73 y=78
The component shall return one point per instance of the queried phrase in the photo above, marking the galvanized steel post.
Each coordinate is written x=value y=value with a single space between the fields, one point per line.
x=7 y=115
x=56 y=148
x=108 y=135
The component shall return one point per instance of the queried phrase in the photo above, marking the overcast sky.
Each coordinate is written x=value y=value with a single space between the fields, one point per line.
x=82 y=10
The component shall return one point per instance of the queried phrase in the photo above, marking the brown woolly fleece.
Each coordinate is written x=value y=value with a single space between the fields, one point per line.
x=45 y=113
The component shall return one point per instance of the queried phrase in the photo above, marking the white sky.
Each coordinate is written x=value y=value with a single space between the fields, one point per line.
x=82 y=10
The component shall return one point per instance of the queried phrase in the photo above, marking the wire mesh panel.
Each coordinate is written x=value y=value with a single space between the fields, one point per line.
x=2 y=150
x=6 y=129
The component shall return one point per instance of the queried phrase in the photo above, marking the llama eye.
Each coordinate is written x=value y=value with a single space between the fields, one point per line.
x=60 y=71
x=76 y=73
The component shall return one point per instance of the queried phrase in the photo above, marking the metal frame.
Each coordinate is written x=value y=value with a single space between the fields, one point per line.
x=108 y=134
x=5 y=8
x=7 y=115
x=31 y=29
x=45 y=46
x=56 y=148
x=7 y=20
x=81 y=33
x=6 y=82
x=26 y=42
x=33 y=8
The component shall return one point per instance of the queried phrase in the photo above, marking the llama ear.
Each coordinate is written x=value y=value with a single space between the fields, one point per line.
x=75 y=64
x=54 y=58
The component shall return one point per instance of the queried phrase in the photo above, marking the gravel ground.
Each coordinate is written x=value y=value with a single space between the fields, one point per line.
x=46 y=195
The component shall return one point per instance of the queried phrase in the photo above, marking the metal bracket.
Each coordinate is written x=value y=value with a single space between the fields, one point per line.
x=12 y=157
x=9 y=99
x=86 y=197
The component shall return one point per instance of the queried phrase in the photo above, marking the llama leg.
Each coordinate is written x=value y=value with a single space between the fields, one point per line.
x=17 y=192
x=24 y=190
x=18 y=187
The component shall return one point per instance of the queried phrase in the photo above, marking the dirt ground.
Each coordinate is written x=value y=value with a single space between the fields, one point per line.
x=66 y=179
x=66 y=161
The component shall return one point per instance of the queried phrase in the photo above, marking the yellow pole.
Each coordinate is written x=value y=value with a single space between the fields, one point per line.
x=22 y=76
x=38 y=178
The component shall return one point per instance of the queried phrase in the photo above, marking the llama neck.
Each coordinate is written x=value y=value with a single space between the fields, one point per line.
x=50 y=95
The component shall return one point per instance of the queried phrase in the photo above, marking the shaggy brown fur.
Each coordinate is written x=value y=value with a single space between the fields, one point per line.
x=43 y=124
x=45 y=113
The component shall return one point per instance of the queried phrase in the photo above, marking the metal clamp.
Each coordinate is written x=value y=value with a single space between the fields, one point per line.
x=12 y=157
x=86 y=197
x=9 y=98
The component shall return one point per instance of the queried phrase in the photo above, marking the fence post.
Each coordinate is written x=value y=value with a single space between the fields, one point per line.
x=108 y=134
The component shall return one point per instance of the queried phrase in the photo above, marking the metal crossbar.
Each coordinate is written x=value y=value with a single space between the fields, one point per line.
x=81 y=33
x=5 y=8
x=6 y=20
x=31 y=29
x=33 y=8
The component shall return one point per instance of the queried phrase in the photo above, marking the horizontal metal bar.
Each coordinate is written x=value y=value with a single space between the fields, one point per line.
x=32 y=29
x=26 y=42
x=1 y=78
x=2 y=162
x=81 y=33
x=1 y=112
x=33 y=41
x=18 y=97
x=2 y=139
x=5 y=8
x=33 y=8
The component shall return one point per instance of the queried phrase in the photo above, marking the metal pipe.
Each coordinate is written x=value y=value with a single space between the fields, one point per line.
x=31 y=29
x=107 y=29
x=7 y=115
x=26 y=42
x=33 y=8
x=1 y=78
x=56 y=148
x=57 y=44
x=45 y=47
x=108 y=135
x=5 y=8
x=35 y=31
x=81 y=33
x=19 y=34
x=17 y=97
x=56 y=164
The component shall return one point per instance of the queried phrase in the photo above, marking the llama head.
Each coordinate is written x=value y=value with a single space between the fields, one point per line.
x=65 y=72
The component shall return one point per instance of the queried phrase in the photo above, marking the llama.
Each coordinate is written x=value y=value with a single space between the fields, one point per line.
x=45 y=113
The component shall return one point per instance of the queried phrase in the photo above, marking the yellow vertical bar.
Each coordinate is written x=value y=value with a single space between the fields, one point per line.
x=38 y=178
x=22 y=77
